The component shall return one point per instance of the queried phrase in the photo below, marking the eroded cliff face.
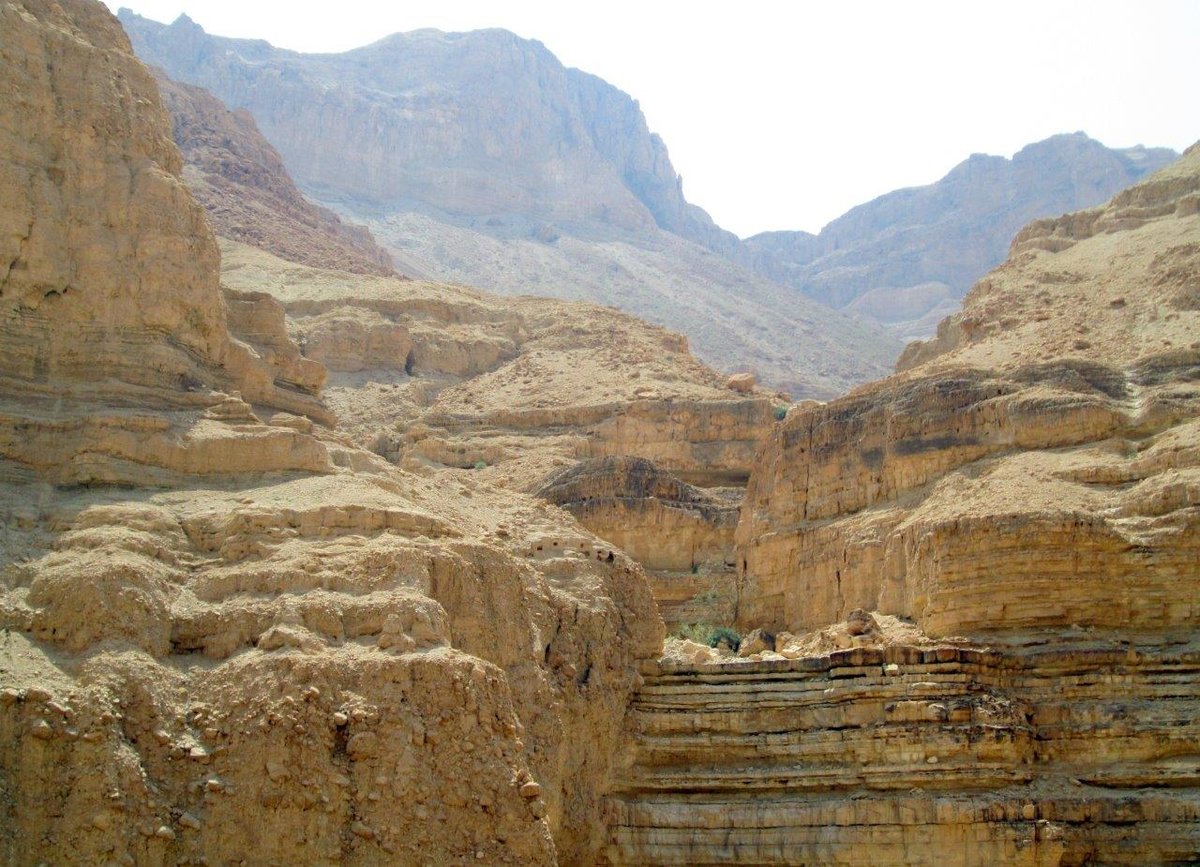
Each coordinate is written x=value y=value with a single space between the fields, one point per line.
x=1019 y=508
x=231 y=633
x=1038 y=468
x=109 y=300
x=478 y=158
x=247 y=193
x=445 y=379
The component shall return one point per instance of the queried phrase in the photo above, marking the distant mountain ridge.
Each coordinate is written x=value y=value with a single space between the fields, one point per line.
x=482 y=124
x=906 y=258
x=479 y=158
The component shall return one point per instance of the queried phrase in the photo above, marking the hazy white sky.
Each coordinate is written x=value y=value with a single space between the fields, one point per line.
x=784 y=115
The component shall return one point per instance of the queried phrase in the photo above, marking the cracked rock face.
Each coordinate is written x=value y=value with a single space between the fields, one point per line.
x=1034 y=465
x=229 y=632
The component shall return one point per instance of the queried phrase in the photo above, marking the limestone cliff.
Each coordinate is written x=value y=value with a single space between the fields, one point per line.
x=1062 y=398
x=248 y=194
x=441 y=378
x=227 y=639
x=906 y=258
x=478 y=158
x=1020 y=505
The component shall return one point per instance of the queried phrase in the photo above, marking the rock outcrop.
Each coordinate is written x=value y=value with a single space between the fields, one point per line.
x=564 y=192
x=564 y=400
x=1047 y=432
x=248 y=194
x=1024 y=497
x=681 y=534
x=230 y=633
x=915 y=755
x=907 y=258
x=115 y=354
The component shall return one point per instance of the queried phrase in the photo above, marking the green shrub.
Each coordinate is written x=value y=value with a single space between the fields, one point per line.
x=780 y=413
x=706 y=633
x=481 y=465
x=724 y=633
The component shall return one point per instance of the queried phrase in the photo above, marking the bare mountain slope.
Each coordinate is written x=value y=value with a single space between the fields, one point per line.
x=906 y=258
x=479 y=158
x=242 y=183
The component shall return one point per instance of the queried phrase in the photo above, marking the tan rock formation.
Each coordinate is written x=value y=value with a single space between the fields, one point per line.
x=109 y=301
x=518 y=390
x=681 y=534
x=915 y=754
x=263 y=643
x=1031 y=480
x=1033 y=466
x=565 y=193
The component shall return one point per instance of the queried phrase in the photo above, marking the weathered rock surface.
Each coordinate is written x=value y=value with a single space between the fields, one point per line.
x=518 y=391
x=907 y=258
x=947 y=754
x=233 y=639
x=681 y=534
x=1023 y=501
x=247 y=193
x=478 y=158
x=115 y=355
x=1034 y=466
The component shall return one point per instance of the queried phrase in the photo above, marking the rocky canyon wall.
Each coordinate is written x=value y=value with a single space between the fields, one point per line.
x=230 y=632
x=1019 y=509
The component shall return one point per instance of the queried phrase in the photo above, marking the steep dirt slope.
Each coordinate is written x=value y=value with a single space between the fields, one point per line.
x=1020 y=507
x=247 y=193
x=230 y=639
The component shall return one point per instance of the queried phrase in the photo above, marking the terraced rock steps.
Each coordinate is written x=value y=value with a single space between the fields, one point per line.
x=1034 y=755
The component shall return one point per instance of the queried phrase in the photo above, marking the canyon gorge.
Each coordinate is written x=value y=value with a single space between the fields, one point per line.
x=308 y=556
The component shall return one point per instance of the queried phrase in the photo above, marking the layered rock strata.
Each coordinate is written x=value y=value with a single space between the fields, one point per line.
x=1025 y=491
x=231 y=633
x=681 y=534
x=115 y=351
x=518 y=391
x=1033 y=466
x=949 y=754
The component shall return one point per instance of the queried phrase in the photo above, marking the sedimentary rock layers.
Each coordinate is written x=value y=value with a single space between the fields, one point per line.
x=908 y=755
x=1036 y=463
x=231 y=633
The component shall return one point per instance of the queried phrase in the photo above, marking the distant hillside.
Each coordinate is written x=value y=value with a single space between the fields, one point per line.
x=480 y=124
x=906 y=258
x=478 y=157
x=249 y=196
